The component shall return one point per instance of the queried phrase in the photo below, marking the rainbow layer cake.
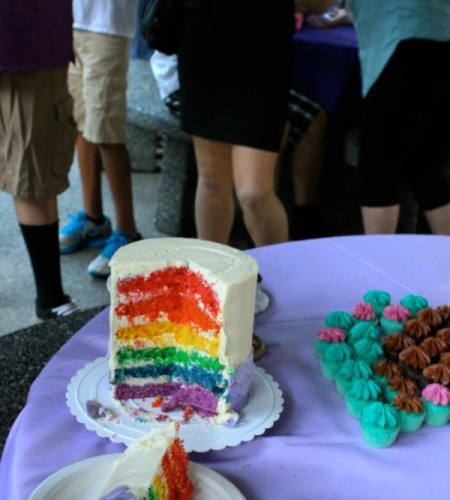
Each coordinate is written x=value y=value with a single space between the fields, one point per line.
x=181 y=322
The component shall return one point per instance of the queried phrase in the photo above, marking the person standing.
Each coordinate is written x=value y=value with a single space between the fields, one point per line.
x=235 y=64
x=404 y=47
x=37 y=133
x=103 y=30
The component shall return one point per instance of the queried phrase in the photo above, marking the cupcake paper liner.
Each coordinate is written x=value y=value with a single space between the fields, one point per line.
x=436 y=415
x=410 y=422
x=380 y=438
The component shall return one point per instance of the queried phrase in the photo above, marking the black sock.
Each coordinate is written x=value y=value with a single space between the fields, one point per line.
x=306 y=222
x=43 y=248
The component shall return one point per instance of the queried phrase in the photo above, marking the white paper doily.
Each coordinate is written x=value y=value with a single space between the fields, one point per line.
x=262 y=410
x=80 y=480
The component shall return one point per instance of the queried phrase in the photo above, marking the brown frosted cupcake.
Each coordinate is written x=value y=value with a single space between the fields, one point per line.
x=438 y=373
x=417 y=329
x=399 y=384
x=434 y=346
x=444 y=334
x=411 y=412
x=444 y=313
x=413 y=360
x=384 y=370
x=395 y=343
x=445 y=358
x=430 y=317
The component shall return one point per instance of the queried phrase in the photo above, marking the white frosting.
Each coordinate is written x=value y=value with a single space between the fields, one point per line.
x=140 y=463
x=230 y=272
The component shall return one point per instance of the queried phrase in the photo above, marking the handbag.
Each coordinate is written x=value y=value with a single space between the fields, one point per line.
x=161 y=25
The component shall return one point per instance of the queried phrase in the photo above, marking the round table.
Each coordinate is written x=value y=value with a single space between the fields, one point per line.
x=315 y=450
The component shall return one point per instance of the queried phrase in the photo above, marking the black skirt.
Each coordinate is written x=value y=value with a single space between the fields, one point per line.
x=235 y=68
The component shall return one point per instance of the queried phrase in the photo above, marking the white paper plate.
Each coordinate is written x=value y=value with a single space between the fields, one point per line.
x=79 y=481
x=263 y=408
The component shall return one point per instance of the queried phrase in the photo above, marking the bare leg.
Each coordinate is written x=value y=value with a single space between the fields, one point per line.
x=439 y=219
x=380 y=220
x=89 y=163
x=116 y=161
x=36 y=212
x=264 y=214
x=307 y=162
x=214 y=204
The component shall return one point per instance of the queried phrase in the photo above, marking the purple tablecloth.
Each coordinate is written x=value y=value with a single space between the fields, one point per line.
x=315 y=450
x=327 y=67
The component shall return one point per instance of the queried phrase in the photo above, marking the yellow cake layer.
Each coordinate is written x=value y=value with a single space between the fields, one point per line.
x=168 y=334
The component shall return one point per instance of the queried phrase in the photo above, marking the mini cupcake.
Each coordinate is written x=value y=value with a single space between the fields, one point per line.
x=437 y=373
x=393 y=318
x=379 y=300
x=444 y=334
x=411 y=412
x=369 y=351
x=430 y=317
x=350 y=371
x=327 y=336
x=399 y=384
x=414 y=303
x=380 y=425
x=333 y=357
x=363 y=330
x=436 y=399
x=444 y=313
x=364 y=311
x=394 y=344
x=417 y=329
x=434 y=346
x=340 y=319
x=362 y=393
x=385 y=370
x=413 y=361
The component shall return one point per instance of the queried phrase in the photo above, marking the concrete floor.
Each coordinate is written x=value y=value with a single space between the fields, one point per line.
x=17 y=291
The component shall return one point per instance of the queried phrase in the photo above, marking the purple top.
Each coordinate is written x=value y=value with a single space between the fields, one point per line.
x=315 y=450
x=35 y=34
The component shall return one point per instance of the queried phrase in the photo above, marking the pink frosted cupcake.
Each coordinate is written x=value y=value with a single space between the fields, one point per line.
x=364 y=311
x=327 y=336
x=393 y=318
x=436 y=399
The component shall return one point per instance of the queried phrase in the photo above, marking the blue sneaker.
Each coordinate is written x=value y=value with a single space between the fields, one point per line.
x=99 y=267
x=80 y=232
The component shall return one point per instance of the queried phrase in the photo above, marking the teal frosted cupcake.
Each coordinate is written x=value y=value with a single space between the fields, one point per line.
x=350 y=371
x=369 y=351
x=411 y=412
x=326 y=337
x=340 y=319
x=380 y=424
x=436 y=398
x=379 y=300
x=363 y=330
x=333 y=358
x=362 y=393
x=414 y=303
x=393 y=318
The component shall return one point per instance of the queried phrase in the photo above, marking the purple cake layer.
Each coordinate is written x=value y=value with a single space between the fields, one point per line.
x=196 y=397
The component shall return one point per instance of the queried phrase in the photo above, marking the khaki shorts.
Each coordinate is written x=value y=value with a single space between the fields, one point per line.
x=37 y=133
x=98 y=84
